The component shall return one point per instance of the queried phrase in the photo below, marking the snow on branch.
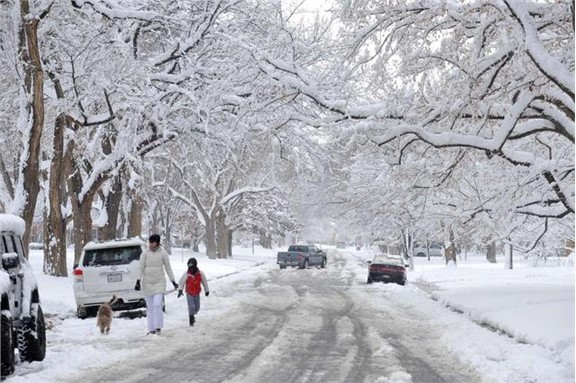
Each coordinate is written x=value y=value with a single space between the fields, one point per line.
x=40 y=11
x=201 y=30
x=235 y=194
x=293 y=78
x=551 y=67
x=192 y=203
x=83 y=119
x=154 y=141
x=112 y=10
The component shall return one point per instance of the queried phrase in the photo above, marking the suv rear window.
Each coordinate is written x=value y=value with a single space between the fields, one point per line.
x=111 y=256
x=298 y=248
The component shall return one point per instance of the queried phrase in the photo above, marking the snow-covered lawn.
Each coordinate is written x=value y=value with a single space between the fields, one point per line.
x=531 y=305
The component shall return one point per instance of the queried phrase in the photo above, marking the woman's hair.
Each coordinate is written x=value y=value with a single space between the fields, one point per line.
x=154 y=238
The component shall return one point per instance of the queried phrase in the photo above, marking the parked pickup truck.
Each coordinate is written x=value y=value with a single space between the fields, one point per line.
x=302 y=256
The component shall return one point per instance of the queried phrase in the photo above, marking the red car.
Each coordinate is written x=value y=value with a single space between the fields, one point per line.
x=387 y=269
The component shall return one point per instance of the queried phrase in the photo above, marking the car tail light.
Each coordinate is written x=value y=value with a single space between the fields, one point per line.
x=78 y=274
x=387 y=268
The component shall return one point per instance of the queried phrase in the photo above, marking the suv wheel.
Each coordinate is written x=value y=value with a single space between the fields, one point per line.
x=7 y=343
x=32 y=337
x=81 y=312
x=85 y=312
x=323 y=265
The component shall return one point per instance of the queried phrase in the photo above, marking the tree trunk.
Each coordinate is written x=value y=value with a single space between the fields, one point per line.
x=81 y=210
x=508 y=250
x=123 y=220
x=112 y=203
x=135 y=216
x=55 y=232
x=408 y=246
x=154 y=227
x=450 y=252
x=54 y=222
x=7 y=181
x=230 y=237
x=195 y=243
x=265 y=240
x=197 y=236
x=210 y=239
x=221 y=235
x=55 y=260
x=33 y=69
x=168 y=232
x=82 y=225
x=491 y=252
x=568 y=247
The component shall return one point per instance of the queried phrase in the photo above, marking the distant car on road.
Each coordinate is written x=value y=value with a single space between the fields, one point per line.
x=340 y=245
x=302 y=256
x=436 y=249
x=36 y=246
x=386 y=269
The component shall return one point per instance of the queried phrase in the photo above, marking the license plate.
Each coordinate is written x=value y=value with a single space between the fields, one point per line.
x=386 y=276
x=114 y=277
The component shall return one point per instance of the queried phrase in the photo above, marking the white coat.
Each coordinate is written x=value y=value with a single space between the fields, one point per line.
x=152 y=266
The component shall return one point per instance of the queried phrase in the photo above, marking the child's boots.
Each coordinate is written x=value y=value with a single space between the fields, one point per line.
x=192 y=320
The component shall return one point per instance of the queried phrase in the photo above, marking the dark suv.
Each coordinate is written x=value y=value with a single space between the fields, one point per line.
x=23 y=324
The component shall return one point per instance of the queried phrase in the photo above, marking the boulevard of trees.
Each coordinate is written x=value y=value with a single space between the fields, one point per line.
x=381 y=119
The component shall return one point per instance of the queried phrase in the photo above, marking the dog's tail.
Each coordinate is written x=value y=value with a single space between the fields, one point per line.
x=113 y=300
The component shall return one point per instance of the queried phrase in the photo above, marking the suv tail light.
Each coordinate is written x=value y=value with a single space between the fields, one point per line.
x=78 y=274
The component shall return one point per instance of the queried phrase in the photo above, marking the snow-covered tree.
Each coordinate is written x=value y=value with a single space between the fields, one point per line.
x=492 y=77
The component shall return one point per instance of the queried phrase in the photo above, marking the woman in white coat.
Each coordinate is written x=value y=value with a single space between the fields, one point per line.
x=153 y=263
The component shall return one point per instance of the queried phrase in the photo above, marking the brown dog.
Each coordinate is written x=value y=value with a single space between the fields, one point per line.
x=104 y=317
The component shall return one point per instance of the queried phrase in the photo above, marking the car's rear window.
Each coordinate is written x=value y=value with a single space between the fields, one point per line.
x=111 y=256
x=298 y=248
x=389 y=261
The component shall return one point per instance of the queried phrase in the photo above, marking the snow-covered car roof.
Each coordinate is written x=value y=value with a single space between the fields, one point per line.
x=114 y=243
x=10 y=222
x=389 y=259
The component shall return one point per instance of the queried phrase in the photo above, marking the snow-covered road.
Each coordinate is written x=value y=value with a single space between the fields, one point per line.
x=316 y=325
x=262 y=324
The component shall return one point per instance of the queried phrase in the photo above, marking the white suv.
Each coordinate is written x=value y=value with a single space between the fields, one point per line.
x=23 y=326
x=106 y=269
x=436 y=249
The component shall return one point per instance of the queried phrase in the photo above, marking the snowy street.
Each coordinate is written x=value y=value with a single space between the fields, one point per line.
x=263 y=324
x=299 y=326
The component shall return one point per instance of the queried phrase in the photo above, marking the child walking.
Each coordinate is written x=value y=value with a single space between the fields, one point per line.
x=192 y=281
